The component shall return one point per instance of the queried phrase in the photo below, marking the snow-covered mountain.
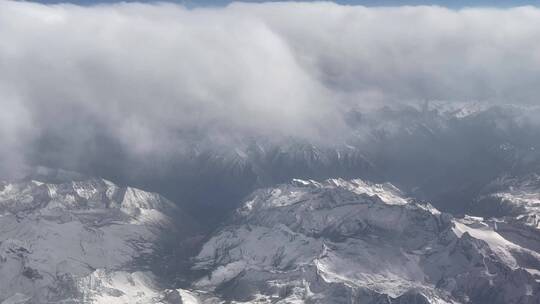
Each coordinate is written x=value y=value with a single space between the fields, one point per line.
x=444 y=153
x=515 y=199
x=355 y=242
x=82 y=241
x=513 y=203
x=68 y=238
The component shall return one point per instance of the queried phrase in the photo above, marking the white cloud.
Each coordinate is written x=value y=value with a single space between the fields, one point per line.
x=143 y=73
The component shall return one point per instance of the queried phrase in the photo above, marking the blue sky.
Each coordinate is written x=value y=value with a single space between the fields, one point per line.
x=447 y=3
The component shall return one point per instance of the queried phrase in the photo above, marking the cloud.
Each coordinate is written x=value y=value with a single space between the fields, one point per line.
x=415 y=52
x=154 y=78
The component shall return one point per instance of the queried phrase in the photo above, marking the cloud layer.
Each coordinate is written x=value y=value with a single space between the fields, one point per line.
x=153 y=78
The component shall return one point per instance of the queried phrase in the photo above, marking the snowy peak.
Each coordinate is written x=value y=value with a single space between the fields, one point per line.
x=340 y=208
x=331 y=191
x=80 y=197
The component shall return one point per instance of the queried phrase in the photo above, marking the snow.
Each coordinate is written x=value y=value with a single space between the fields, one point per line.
x=495 y=241
x=222 y=274
x=188 y=297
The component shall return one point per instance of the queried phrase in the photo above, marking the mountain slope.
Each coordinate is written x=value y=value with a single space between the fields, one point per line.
x=355 y=242
x=85 y=241
x=515 y=198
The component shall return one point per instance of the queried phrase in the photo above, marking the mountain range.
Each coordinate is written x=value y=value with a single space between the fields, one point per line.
x=432 y=204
